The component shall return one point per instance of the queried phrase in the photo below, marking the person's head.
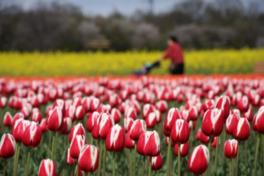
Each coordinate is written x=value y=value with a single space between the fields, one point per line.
x=172 y=39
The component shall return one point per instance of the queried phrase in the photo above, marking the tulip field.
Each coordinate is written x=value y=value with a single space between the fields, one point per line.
x=132 y=126
x=228 y=61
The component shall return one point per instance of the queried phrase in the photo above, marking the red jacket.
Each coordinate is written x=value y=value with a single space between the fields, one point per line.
x=175 y=53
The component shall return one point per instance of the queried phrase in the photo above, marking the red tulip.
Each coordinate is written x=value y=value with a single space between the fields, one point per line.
x=129 y=143
x=79 y=112
x=231 y=123
x=32 y=135
x=171 y=117
x=180 y=131
x=249 y=114
x=162 y=106
x=91 y=121
x=243 y=103
x=200 y=136
x=19 y=128
x=43 y=125
x=131 y=112
x=8 y=120
x=47 y=168
x=7 y=145
x=184 y=149
x=69 y=159
x=3 y=101
x=199 y=160
x=149 y=143
x=128 y=122
x=66 y=125
x=147 y=109
x=104 y=125
x=76 y=146
x=258 y=121
x=115 y=139
x=89 y=158
x=115 y=115
x=242 y=131
x=54 y=120
x=152 y=119
x=138 y=127
x=214 y=143
x=223 y=103
x=77 y=129
x=36 y=115
x=231 y=148
x=156 y=162
x=213 y=121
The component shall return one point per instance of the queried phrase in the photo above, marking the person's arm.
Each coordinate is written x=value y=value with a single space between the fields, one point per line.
x=166 y=53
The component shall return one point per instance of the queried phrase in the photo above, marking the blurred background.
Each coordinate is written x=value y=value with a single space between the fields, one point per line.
x=119 y=25
x=115 y=37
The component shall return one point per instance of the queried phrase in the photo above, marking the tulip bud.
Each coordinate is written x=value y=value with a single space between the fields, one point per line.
x=138 y=127
x=47 y=168
x=147 y=109
x=213 y=122
x=69 y=159
x=199 y=160
x=78 y=129
x=54 y=120
x=258 y=121
x=149 y=143
x=115 y=138
x=231 y=123
x=242 y=131
x=104 y=125
x=36 y=115
x=89 y=158
x=170 y=119
x=115 y=115
x=8 y=120
x=200 y=136
x=32 y=135
x=156 y=162
x=79 y=113
x=162 y=106
x=223 y=103
x=129 y=143
x=91 y=121
x=231 y=148
x=3 y=101
x=76 y=146
x=151 y=119
x=65 y=125
x=7 y=145
x=184 y=149
x=19 y=128
x=128 y=122
x=243 y=104
x=180 y=131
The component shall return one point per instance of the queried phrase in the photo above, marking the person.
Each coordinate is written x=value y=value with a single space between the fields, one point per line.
x=174 y=52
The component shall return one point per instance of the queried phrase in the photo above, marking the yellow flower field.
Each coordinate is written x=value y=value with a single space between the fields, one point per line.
x=111 y=63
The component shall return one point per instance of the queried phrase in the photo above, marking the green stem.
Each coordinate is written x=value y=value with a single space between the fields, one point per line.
x=256 y=155
x=27 y=167
x=134 y=156
x=179 y=161
x=104 y=158
x=100 y=161
x=114 y=165
x=149 y=170
x=16 y=160
x=53 y=148
x=169 y=160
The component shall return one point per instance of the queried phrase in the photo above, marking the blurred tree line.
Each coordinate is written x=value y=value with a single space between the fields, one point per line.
x=66 y=28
